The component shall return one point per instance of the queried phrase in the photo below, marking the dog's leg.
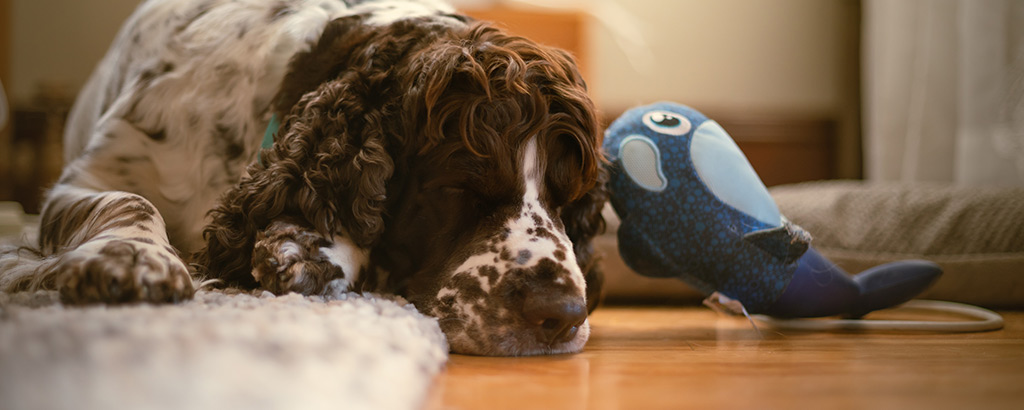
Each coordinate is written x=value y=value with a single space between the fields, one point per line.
x=110 y=247
x=290 y=258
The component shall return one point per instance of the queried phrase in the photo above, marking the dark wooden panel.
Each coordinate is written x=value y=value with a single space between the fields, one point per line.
x=785 y=150
x=782 y=149
x=549 y=27
x=35 y=156
x=5 y=78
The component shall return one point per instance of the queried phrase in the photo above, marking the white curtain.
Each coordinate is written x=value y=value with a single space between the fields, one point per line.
x=944 y=91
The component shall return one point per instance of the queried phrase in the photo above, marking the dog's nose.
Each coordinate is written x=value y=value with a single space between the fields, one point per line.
x=556 y=315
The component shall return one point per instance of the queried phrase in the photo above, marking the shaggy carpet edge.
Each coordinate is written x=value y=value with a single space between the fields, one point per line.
x=220 y=350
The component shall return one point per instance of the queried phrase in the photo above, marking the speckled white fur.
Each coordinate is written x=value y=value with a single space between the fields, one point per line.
x=189 y=174
x=528 y=249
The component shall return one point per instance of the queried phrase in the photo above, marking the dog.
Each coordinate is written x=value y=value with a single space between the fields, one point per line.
x=418 y=153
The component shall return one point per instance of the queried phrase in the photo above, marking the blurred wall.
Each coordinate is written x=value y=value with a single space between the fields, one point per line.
x=765 y=57
x=762 y=57
x=57 y=43
x=756 y=54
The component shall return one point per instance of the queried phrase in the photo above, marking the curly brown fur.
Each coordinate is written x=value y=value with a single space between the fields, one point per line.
x=409 y=140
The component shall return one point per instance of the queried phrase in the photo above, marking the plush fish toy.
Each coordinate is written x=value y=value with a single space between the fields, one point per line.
x=693 y=208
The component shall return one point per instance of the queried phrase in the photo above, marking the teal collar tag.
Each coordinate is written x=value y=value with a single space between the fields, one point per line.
x=268 y=135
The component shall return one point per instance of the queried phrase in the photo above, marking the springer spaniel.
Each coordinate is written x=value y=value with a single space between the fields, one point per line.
x=419 y=153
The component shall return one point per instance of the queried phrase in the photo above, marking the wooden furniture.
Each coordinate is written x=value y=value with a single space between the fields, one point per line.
x=5 y=78
x=564 y=30
x=36 y=149
x=783 y=149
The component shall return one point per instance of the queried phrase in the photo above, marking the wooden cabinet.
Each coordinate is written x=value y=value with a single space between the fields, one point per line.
x=785 y=150
x=562 y=29
x=782 y=149
x=5 y=78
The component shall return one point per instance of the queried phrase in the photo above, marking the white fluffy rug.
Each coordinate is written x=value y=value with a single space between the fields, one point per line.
x=218 y=351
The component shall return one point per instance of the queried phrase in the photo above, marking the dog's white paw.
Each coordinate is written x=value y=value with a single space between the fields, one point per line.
x=287 y=258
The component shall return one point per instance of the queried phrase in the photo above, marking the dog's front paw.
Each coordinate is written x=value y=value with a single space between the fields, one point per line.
x=289 y=259
x=122 y=271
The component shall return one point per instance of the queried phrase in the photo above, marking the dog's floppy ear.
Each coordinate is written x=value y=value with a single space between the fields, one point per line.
x=333 y=148
x=583 y=222
x=328 y=168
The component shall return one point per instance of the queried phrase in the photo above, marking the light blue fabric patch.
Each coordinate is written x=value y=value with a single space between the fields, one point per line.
x=642 y=162
x=725 y=170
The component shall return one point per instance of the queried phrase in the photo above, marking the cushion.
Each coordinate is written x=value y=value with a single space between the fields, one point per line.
x=975 y=233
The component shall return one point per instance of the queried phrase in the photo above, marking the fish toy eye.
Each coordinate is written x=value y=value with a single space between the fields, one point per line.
x=665 y=122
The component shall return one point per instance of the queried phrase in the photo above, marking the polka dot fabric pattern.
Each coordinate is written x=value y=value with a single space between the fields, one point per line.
x=685 y=230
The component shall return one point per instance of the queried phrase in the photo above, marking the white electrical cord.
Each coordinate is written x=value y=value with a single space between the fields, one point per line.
x=984 y=320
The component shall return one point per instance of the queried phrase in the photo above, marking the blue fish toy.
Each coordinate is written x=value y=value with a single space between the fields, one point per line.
x=693 y=208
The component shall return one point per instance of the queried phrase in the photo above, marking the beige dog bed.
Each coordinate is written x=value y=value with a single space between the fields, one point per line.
x=975 y=233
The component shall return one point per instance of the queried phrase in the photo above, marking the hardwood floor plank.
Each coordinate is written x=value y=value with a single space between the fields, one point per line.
x=692 y=358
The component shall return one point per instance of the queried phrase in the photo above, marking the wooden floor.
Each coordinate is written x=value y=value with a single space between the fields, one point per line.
x=689 y=357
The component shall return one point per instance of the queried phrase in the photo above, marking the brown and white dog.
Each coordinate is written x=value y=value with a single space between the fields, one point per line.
x=419 y=153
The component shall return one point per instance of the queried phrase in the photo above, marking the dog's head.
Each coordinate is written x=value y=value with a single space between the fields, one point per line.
x=467 y=161
x=493 y=205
